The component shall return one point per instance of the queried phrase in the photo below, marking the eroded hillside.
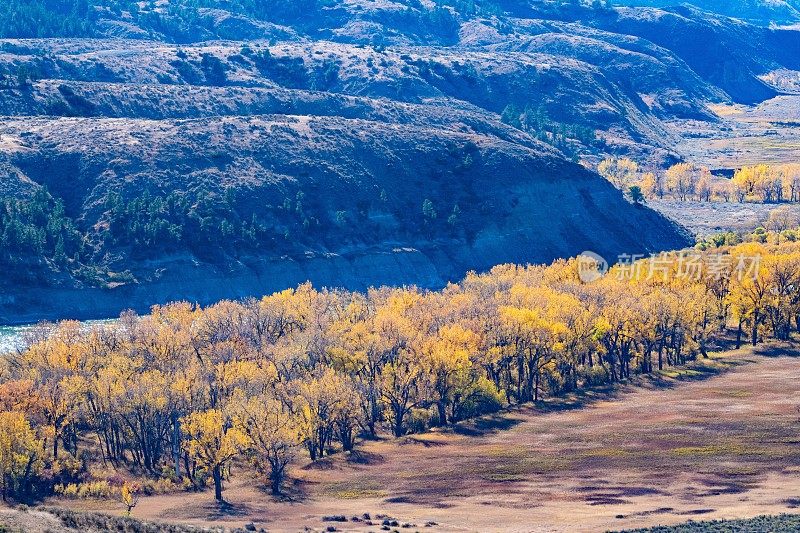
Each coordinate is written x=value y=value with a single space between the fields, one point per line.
x=205 y=150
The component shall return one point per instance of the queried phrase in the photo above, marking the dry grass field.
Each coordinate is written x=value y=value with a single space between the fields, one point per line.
x=708 y=218
x=720 y=439
x=745 y=135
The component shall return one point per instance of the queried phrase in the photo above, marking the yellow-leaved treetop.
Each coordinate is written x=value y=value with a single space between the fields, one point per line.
x=623 y=173
x=20 y=454
x=212 y=441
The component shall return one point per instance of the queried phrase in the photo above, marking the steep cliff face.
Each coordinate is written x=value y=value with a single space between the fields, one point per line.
x=541 y=214
x=204 y=151
x=362 y=184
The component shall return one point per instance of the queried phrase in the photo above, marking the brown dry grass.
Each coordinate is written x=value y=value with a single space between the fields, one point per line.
x=708 y=218
x=720 y=441
x=746 y=135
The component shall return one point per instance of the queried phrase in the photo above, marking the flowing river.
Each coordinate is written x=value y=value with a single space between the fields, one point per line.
x=11 y=337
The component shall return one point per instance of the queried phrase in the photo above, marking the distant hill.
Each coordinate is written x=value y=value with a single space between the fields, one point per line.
x=758 y=11
x=155 y=151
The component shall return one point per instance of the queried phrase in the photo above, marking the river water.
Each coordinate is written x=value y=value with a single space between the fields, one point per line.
x=11 y=336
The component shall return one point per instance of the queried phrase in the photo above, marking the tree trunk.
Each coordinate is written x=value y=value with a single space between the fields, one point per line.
x=176 y=444
x=321 y=441
x=703 y=350
x=398 y=423
x=346 y=436
x=312 y=449
x=187 y=467
x=25 y=487
x=217 y=474
x=442 y=408
x=372 y=419
x=276 y=479
x=739 y=333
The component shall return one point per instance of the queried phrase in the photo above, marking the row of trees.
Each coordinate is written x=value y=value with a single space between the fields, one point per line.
x=211 y=225
x=179 y=21
x=683 y=181
x=768 y=183
x=187 y=392
x=39 y=240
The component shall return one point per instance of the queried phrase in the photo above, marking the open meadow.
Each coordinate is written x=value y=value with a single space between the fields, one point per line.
x=763 y=133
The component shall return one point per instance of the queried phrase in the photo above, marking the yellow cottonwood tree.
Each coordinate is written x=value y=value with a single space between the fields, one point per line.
x=682 y=180
x=322 y=402
x=621 y=172
x=447 y=364
x=213 y=441
x=749 y=292
x=273 y=435
x=400 y=382
x=20 y=454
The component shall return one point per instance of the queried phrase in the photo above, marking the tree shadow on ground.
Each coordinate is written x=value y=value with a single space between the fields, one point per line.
x=778 y=349
x=420 y=439
x=699 y=370
x=671 y=377
x=225 y=509
x=485 y=425
x=323 y=463
x=362 y=457
x=294 y=491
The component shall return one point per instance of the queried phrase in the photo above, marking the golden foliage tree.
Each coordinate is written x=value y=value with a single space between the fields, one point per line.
x=20 y=454
x=213 y=441
x=621 y=172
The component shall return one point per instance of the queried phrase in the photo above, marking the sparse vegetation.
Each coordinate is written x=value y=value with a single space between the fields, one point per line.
x=65 y=520
x=569 y=138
